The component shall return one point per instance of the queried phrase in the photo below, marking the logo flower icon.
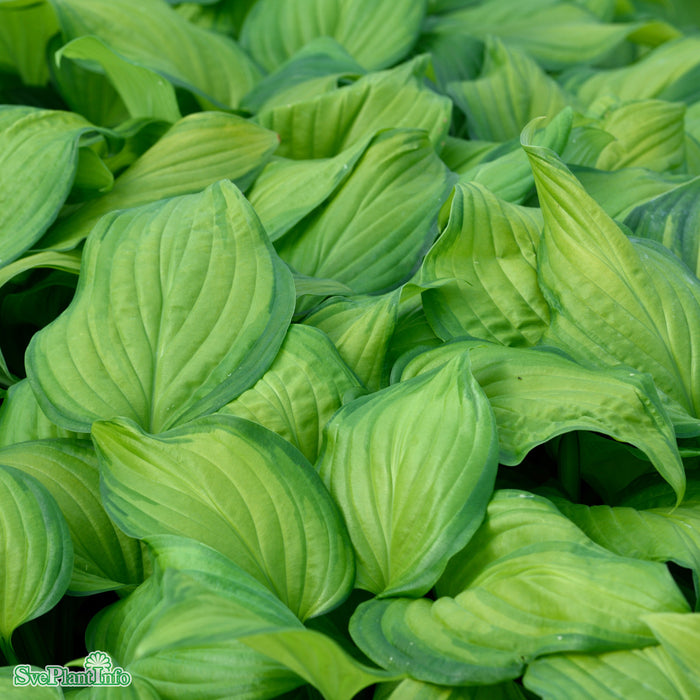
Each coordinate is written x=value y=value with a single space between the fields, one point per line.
x=98 y=659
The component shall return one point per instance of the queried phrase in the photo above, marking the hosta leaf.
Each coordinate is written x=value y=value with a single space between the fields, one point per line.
x=305 y=385
x=288 y=190
x=649 y=134
x=35 y=550
x=38 y=160
x=324 y=126
x=489 y=249
x=24 y=34
x=21 y=419
x=528 y=583
x=613 y=302
x=319 y=59
x=511 y=91
x=196 y=152
x=644 y=674
x=17 y=692
x=318 y=660
x=557 y=34
x=656 y=73
x=377 y=34
x=412 y=468
x=412 y=330
x=104 y=558
x=152 y=35
x=181 y=306
x=417 y=690
x=680 y=637
x=144 y=92
x=650 y=529
x=361 y=329
x=183 y=637
x=550 y=395
x=349 y=239
x=239 y=488
x=673 y=219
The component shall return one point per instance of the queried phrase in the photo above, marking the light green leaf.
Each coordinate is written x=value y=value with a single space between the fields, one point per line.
x=35 y=550
x=412 y=330
x=21 y=419
x=25 y=30
x=511 y=91
x=551 y=395
x=528 y=583
x=643 y=674
x=366 y=236
x=149 y=338
x=152 y=35
x=13 y=692
x=318 y=660
x=620 y=191
x=613 y=302
x=412 y=468
x=305 y=385
x=417 y=690
x=320 y=58
x=197 y=151
x=672 y=218
x=655 y=530
x=104 y=558
x=556 y=33
x=145 y=93
x=680 y=637
x=651 y=77
x=488 y=250
x=239 y=488
x=182 y=637
x=648 y=134
x=38 y=160
x=361 y=329
x=330 y=123
x=288 y=190
x=377 y=34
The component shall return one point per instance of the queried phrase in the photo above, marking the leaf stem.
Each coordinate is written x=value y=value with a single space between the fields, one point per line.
x=8 y=652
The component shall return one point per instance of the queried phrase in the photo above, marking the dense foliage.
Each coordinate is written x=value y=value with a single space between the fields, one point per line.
x=351 y=348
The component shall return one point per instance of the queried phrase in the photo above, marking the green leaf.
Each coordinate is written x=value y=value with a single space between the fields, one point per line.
x=361 y=329
x=305 y=385
x=376 y=33
x=21 y=419
x=144 y=92
x=556 y=33
x=318 y=660
x=150 y=339
x=25 y=30
x=36 y=551
x=672 y=219
x=320 y=58
x=38 y=160
x=182 y=637
x=648 y=134
x=245 y=491
x=350 y=240
x=13 y=692
x=488 y=252
x=288 y=190
x=528 y=583
x=551 y=395
x=680 y=637
x=330 y=123
x=153 y=36
x=511 y=91
x=196 y=152
x=412 y=468
x=417 y=690
x=104 y=558
x=611 y=301
x=643 y=674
